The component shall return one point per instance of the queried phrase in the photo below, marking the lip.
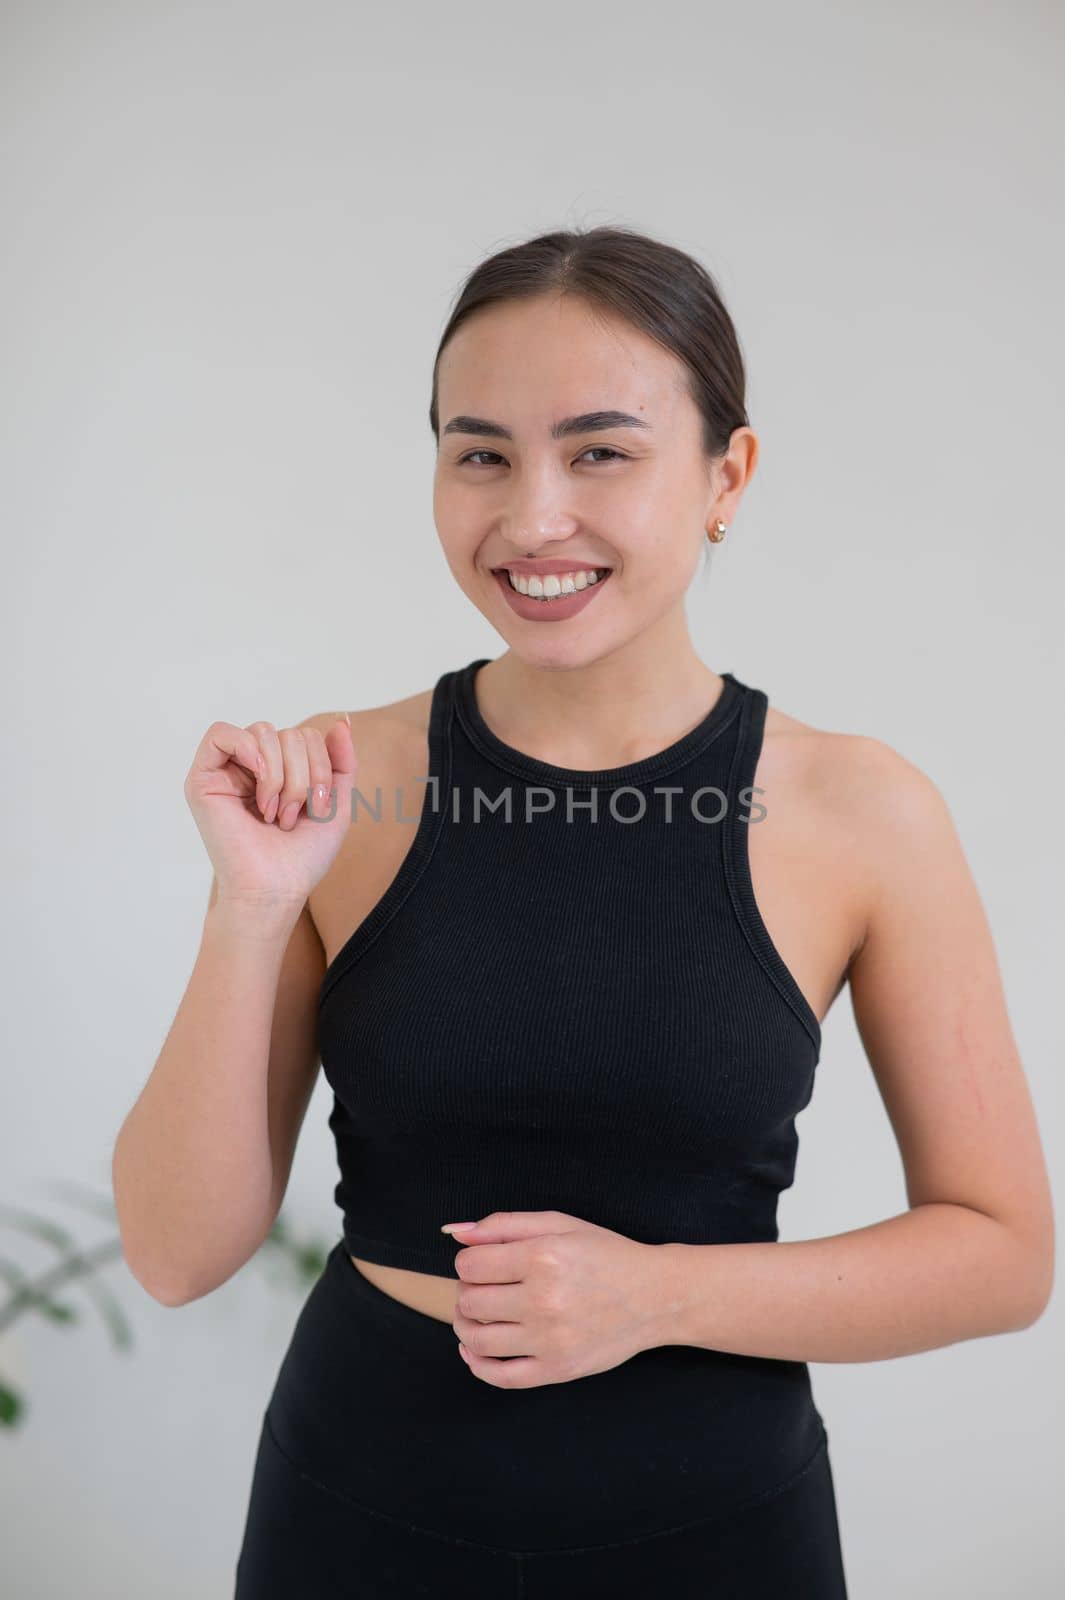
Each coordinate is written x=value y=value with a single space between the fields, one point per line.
x=558 y=610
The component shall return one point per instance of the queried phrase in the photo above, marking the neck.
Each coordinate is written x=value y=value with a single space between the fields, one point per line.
x=606 y=712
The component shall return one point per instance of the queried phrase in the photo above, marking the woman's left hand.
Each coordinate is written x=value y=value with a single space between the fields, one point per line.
x=561 y=1297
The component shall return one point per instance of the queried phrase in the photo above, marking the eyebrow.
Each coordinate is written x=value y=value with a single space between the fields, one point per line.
x=588 y=422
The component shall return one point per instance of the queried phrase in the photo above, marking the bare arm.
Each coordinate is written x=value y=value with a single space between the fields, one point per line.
x=202 y=1161
x=974 y=1253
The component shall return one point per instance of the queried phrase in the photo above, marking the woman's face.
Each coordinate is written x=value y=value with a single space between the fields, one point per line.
x=635 y=497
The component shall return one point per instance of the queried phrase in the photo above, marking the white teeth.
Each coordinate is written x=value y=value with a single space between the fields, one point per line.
x=554 y=584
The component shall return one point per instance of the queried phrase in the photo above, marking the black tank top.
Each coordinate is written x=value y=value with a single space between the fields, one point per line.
x=566 y=999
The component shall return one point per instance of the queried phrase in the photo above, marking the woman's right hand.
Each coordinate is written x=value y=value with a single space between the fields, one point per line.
x=247 y=790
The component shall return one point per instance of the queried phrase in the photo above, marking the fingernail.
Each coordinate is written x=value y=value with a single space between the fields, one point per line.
x=464 y=1353
x=449 y=1227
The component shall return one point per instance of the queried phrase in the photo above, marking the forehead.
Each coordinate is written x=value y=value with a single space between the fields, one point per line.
x=555 y=352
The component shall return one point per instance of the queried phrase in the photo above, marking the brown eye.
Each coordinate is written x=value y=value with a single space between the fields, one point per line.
x=595 y=449
x=473 y=453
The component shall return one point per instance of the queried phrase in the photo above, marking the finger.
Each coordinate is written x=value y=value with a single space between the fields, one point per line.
x=344 y=761
x=496 y=1339
x=491 y=1263
x=297 y=777
x=504 y=1225
x=224 y=742
x=341 y=746
x=488 y=1302
x=271 y=773
x=520 y=1372
x=319 y=770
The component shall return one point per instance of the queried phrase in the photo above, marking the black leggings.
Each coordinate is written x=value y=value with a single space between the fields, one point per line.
x=385 y=1468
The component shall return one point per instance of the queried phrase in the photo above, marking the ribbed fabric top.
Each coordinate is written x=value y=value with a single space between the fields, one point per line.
x=567 y=999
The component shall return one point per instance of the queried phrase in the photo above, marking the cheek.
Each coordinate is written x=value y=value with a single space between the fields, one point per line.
x=443 y=503
x=660 y=550
x=459 y=536
x=460 y=556
x=651 y=515
x=463 y=519
x=656 y=574
x=663 y=533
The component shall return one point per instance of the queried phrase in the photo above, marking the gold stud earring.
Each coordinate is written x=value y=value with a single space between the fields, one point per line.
x=717 y=532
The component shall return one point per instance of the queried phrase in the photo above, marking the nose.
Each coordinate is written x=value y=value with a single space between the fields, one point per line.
x=531 y=521
x=534 y=508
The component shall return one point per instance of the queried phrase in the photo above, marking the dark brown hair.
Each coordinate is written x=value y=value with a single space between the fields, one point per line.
x=659 y=289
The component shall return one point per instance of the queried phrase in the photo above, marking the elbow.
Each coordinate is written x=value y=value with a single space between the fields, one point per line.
x=168 y=1295
x=165 y=1291
x=144 y=1265
x=1035 y=1302
x=1027 y=1316
x=1019 y=1270
x=1034 y=1285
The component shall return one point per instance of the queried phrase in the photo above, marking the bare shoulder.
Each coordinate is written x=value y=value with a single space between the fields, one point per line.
x=391 y=766
x=856 y=773
x=863 y=802
x=389 y=737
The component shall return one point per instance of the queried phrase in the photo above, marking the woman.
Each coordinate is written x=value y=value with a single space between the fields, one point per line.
x=569 y=1002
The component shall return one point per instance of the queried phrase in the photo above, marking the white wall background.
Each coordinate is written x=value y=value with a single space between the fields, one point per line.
x=230 y=237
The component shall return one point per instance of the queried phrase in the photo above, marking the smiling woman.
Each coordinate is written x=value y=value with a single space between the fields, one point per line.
x=569 y=1018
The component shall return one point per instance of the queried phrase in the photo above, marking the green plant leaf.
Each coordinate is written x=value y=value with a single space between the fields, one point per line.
x=13 y=1275
x=113 y=1316
x=39 y=1227
x=11 y=1407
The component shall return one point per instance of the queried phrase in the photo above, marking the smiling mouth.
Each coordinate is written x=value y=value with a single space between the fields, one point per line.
x=548 y=586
